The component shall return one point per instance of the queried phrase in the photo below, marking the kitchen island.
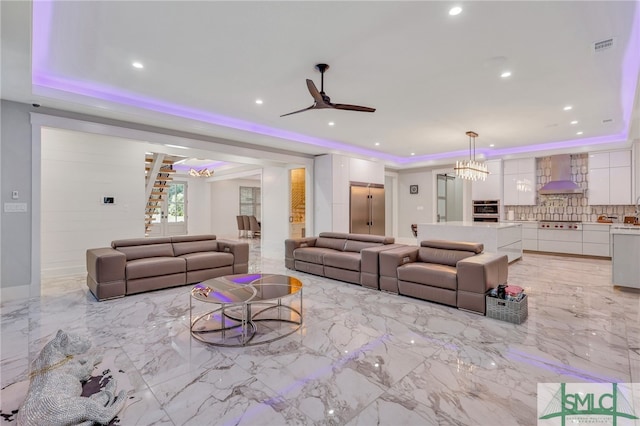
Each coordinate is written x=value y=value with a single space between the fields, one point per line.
x=497 y=237
x=625 y=246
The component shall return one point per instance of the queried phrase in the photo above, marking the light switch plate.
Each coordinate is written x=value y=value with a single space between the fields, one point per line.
x=15 y=207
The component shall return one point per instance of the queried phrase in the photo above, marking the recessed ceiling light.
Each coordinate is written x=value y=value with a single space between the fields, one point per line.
x=506 y=74
x=567 y=108
x=259 y=101
x=331 y=123
x=413 y=153
x=377 y=143
x=491 y=145
x=574 y=122
x=455 y=11
x=579 y=133
x=137 y=65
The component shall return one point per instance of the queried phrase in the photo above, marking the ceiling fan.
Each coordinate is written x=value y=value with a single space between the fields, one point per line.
x=321 y=100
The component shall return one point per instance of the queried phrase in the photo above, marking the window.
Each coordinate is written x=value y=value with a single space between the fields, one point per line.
x=250 y=201
x=175 y=203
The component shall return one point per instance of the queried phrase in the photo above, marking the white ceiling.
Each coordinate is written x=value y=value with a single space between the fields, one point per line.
x=430 y=75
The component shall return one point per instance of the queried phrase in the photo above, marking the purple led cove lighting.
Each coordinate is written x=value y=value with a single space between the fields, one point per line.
x=42 y=15
x=630 y=70
x=558 y=145
x=213 y=165
x=41 y=25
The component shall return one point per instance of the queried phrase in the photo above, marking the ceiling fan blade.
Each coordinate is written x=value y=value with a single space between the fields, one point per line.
x=314 y=92
x=353 y=108
x=300 y=110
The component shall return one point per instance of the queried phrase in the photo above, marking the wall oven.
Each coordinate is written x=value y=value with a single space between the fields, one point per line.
x=486 y=210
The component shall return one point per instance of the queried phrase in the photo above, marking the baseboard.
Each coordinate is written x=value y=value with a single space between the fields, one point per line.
x=18 y=292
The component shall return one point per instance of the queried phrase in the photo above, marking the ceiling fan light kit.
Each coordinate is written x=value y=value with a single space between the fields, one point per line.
x=322 y=100
x=471 y=169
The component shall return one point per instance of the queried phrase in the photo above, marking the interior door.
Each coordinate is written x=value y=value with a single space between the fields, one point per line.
x=377 y=217
x=297 y=209
x=359 y=210
x=442 y=198
x=171 y=217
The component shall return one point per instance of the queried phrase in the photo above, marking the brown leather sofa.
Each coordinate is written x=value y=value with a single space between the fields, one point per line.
x=342 y=256
x=142 y=264
x=449 y=272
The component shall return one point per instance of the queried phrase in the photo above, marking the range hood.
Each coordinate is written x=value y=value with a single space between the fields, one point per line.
x=561 y=182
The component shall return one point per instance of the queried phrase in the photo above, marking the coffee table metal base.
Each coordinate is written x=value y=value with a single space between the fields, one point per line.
x=235 y=324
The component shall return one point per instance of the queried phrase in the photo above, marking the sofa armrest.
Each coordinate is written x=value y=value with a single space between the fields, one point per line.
x=391 y=259
x=106 y=272
x=106 y=264
x=370 y=264
x=293 y=243
x=480 y=273
x=240 y=251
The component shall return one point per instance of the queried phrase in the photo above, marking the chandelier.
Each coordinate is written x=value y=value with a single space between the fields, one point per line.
x=471 y=169
x=200 y=173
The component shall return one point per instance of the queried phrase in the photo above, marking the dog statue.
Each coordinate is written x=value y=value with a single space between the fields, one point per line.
x=55 y=387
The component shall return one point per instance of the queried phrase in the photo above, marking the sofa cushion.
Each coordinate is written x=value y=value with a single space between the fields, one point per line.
x=442 y=256
x=454 y=245
x=154 y=266
x=343 y=260
x=356 y=246
x=180 y=248
x=331 y=243
x=311 y=254
x=432 y=274
x=371 y=238
x=207 y=260
x=146 y=251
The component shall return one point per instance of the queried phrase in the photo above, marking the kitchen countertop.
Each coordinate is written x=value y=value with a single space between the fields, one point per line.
x=620 y=228
x=490 y=225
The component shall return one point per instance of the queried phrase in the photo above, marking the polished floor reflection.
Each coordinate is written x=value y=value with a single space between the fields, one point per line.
x=362 y=357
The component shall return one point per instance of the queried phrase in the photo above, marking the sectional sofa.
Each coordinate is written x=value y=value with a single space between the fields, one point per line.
x=453 y=273
x=142 y=264
x=448 y=272
x=346 y=257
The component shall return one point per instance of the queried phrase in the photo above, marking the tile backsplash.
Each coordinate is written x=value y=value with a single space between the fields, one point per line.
x=567 y=207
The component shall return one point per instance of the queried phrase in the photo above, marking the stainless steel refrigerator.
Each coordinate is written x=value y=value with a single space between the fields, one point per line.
x=367 y=209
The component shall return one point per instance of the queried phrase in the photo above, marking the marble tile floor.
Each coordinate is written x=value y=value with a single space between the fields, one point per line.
x=362 y=357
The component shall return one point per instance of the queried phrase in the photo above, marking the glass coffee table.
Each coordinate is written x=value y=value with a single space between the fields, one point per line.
x=240 y=302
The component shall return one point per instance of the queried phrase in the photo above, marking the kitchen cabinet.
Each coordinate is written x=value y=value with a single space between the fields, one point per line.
x=519 y=182
x=610 y=178
x=491 y=188
x=596 y=239
x=530 y=236
x=625 y=268
x=560 y=241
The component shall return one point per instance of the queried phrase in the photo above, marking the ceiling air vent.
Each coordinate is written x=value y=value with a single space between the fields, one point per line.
x=601 y=45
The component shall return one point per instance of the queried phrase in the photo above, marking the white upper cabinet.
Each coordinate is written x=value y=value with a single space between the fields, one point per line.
x=519 y=182
x=490 y=189
x=610 y=178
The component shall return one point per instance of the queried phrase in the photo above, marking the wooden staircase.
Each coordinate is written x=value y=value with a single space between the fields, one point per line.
x=158 y=171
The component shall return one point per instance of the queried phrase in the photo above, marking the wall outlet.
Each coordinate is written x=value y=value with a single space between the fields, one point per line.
x=14 y=195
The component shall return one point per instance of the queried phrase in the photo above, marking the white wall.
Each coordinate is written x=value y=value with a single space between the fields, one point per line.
x=332 y=176
x=78 y=169
x=198 y=205
x=414 y=208
x=275 y=211
x=225 y=205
